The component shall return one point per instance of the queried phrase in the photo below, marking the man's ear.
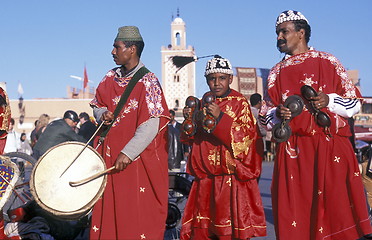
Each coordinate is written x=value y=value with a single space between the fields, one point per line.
x=133 y=49
x=231 y=79
x=302 y=33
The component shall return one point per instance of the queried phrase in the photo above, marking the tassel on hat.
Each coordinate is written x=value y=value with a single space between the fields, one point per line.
x=181 y=61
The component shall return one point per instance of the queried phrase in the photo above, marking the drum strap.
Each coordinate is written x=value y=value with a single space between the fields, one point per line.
x=136 y=77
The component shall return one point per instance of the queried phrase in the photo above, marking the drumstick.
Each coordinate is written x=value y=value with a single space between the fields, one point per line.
x=88 y=179
x=85 y=146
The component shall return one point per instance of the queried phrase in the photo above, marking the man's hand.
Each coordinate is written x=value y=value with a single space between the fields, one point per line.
x=214 y=109
x=107 y=117
x=283 y=112
x=122 y=162
x=320 y=101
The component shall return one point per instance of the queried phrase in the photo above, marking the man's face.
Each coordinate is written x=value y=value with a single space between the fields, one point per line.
x=71 y=123
x=121 y=53
x=219 y=83
x=288 y=39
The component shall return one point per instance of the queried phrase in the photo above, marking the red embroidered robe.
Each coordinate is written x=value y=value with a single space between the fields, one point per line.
x=5 y=116
x=135 y=201
x=317 y=190
x=225 y=197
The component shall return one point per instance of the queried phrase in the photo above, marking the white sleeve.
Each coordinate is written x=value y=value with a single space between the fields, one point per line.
x=143 y=136
x=97 y=113
x=345 y=107
x=270 y=119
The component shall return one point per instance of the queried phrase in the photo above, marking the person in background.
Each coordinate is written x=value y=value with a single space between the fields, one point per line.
x=12 y=140
x=224 y=201
x=57 y=132
x=256 y=104
x=25 y=146
x=317 y=190
x=40 y=127
x=33 y=133
x=177 y=151
x=87 y=128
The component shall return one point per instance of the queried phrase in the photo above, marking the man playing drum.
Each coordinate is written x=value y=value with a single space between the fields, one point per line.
x=135 y=202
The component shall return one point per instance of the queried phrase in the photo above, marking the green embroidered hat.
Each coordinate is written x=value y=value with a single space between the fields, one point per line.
x=129 y=33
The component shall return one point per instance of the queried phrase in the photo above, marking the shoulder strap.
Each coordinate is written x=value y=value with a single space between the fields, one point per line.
x=124 y=97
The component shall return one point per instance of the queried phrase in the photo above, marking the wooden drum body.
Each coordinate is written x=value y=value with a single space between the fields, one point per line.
x=54 y=193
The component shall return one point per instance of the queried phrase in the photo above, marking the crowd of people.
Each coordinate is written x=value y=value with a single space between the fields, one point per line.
x=317 y=190
x=71 y=127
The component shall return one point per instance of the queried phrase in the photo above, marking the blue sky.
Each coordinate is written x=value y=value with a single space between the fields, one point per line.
x=43 y=42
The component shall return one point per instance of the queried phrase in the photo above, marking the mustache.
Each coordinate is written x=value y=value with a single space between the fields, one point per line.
x=281 y=41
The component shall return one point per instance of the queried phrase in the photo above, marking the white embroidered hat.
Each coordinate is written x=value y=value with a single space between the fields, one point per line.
x=218 y=64
x=290 y=15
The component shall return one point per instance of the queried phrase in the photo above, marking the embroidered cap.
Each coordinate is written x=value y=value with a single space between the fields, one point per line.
x=290 y=15
x=218 y=64
x=129 y=33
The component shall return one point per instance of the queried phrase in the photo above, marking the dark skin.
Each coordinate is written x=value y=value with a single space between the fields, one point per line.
x=128 y=59
x=219 y=84
x=293 y=42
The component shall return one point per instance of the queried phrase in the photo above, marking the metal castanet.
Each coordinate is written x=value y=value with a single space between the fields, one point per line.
x=322 y=118
x=209 y=122
x=189 y=124
x=282 y=131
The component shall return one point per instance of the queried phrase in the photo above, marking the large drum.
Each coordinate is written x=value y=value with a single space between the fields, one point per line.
x=54 y=192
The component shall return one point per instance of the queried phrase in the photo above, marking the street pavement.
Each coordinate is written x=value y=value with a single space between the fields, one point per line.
x=265 y=186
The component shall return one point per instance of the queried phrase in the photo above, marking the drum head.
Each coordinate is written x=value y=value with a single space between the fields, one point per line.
x=53 y=191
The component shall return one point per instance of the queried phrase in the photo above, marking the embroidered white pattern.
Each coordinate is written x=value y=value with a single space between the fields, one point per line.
x=346 y=83
x=308 y=80
x=95 y=228
x=153 y=94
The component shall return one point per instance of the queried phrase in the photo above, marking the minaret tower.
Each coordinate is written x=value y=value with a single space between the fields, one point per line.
x=177 y=85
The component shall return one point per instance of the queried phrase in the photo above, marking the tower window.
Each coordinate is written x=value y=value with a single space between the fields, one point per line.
x=176 y=78
x=178 y=39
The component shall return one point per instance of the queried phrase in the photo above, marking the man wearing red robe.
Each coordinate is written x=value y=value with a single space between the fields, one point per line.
x=224 y=201
x=317 y=190
x=4 y=118
x=135 y=201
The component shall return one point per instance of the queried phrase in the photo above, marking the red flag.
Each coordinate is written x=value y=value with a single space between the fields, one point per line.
x=85 y=78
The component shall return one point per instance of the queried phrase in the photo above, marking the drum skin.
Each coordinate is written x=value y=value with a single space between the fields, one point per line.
x=53 y=192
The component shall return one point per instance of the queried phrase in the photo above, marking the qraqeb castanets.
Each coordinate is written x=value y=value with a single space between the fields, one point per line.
x=281 y=131
x=197 y=115
x=322 y=118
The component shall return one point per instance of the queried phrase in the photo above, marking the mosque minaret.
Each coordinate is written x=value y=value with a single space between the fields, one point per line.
x=177 y=85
